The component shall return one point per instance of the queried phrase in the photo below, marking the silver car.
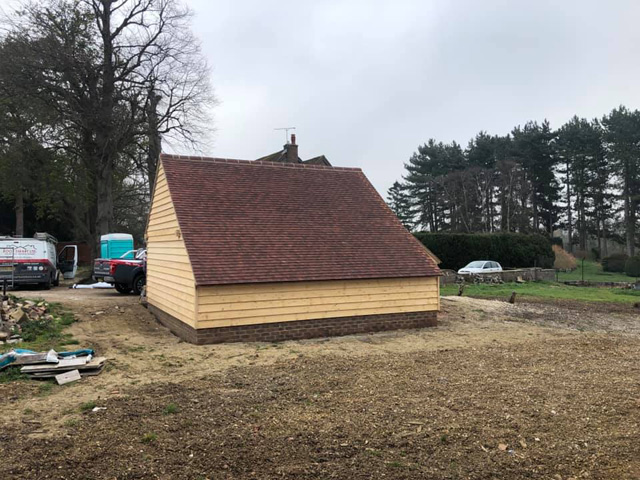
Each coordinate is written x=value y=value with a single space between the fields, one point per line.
x=481 y=266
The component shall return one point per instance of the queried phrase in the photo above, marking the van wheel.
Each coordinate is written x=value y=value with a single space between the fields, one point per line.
x=122 y=288
x=46 y=285
x=138 y=284
x=56 y=281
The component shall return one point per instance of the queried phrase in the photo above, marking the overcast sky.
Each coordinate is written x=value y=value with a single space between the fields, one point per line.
x=365 y=82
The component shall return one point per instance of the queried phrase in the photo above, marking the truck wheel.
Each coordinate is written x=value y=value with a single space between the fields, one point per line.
x=122 y=288
x=138 y=284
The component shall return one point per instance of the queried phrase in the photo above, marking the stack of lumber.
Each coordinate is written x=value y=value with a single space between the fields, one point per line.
x=65 y=367
x=85 y=366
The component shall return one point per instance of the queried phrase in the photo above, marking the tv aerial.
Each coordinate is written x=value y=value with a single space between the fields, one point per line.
x=286 y=132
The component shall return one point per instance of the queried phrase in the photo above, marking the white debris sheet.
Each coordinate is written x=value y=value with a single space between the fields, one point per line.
x=92 y=285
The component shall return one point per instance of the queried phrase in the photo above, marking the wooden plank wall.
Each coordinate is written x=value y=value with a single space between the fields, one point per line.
x=228 y=305
x=170 y=280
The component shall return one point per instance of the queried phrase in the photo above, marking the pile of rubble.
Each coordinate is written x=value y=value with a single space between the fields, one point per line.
x=23 y=318
x=14 y=314
x=483 y=278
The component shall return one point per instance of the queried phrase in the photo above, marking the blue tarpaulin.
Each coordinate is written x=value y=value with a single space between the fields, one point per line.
x=12 y=355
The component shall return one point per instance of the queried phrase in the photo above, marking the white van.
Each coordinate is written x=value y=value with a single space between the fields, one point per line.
x=34 y=260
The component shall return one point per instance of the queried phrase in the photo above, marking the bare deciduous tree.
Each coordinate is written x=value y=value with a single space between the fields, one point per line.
x=121 y=74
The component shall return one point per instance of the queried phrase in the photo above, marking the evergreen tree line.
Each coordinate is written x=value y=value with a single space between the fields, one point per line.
x=583 y=177
x=89 y=90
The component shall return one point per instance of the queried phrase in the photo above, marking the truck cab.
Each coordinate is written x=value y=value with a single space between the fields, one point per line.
x=119 y=264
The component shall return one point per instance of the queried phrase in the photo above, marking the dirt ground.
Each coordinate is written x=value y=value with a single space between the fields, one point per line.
x=495 y=391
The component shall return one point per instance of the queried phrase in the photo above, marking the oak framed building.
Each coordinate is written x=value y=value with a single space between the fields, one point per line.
x=265 y=251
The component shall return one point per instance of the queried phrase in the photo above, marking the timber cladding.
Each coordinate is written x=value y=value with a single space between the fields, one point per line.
x=233 y=305
x=297 y=330
x=170 y=280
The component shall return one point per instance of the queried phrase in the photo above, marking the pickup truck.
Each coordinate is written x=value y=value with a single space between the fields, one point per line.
x=125 y=274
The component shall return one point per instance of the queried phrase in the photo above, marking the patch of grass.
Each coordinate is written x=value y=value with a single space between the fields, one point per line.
x=171 y=409
x=45 y=389
x=28 y=411
x=12 y=374
x=593 y=273
x=395 y=464
x=42 y=335
x=72 y=422
x=90 y=405
x=546 y=290
x=629 y=293
x=444 y=438
x=149 y=438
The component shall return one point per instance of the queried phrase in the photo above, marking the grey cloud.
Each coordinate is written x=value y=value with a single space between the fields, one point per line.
x=365 y=82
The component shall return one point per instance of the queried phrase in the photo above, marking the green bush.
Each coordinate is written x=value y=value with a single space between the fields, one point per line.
x=511 y=250
x=632 y=266
x=614 y=263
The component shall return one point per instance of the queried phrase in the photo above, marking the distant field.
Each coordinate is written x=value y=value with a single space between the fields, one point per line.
x=593 y=273
x=549 y=291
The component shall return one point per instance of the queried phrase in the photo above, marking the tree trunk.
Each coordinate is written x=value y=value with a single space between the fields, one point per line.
x=504 y=223
x=534 y=207
x=19 y=207
x=155 y=141
x=582 y=224
x=629 y=211
x=104 y=201
x=106 y=141
x=569 y=211
x=489 y=200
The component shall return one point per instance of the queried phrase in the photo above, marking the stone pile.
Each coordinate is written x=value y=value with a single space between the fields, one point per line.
x=14 y=314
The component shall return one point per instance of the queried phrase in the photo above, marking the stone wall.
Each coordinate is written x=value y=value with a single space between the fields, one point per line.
x=526 y=274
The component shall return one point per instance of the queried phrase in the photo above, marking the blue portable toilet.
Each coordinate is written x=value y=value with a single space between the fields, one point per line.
x=114 y=245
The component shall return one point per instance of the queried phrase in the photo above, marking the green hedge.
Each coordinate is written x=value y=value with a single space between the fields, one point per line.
x=614 y=263
x=632 y=266
x=511 y=250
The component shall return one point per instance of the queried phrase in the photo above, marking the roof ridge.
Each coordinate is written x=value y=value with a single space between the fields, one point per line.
x=166 y=156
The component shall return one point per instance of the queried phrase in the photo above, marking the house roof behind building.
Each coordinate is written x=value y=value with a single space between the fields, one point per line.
x=252 y=222
x=280 y=156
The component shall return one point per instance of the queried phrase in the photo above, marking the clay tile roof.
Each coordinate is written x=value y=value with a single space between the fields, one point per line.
x=251 y=222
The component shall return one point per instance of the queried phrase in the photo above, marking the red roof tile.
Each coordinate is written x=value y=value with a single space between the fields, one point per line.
x=250 y=222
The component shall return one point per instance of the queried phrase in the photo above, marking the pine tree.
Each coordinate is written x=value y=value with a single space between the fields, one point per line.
x=622 y=143
x=400 y=202
x=533 y=146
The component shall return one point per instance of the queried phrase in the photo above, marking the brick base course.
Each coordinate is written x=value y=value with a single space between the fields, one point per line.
x=274 y=332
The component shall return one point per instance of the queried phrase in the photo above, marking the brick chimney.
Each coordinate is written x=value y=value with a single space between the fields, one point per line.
x=292 y=150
